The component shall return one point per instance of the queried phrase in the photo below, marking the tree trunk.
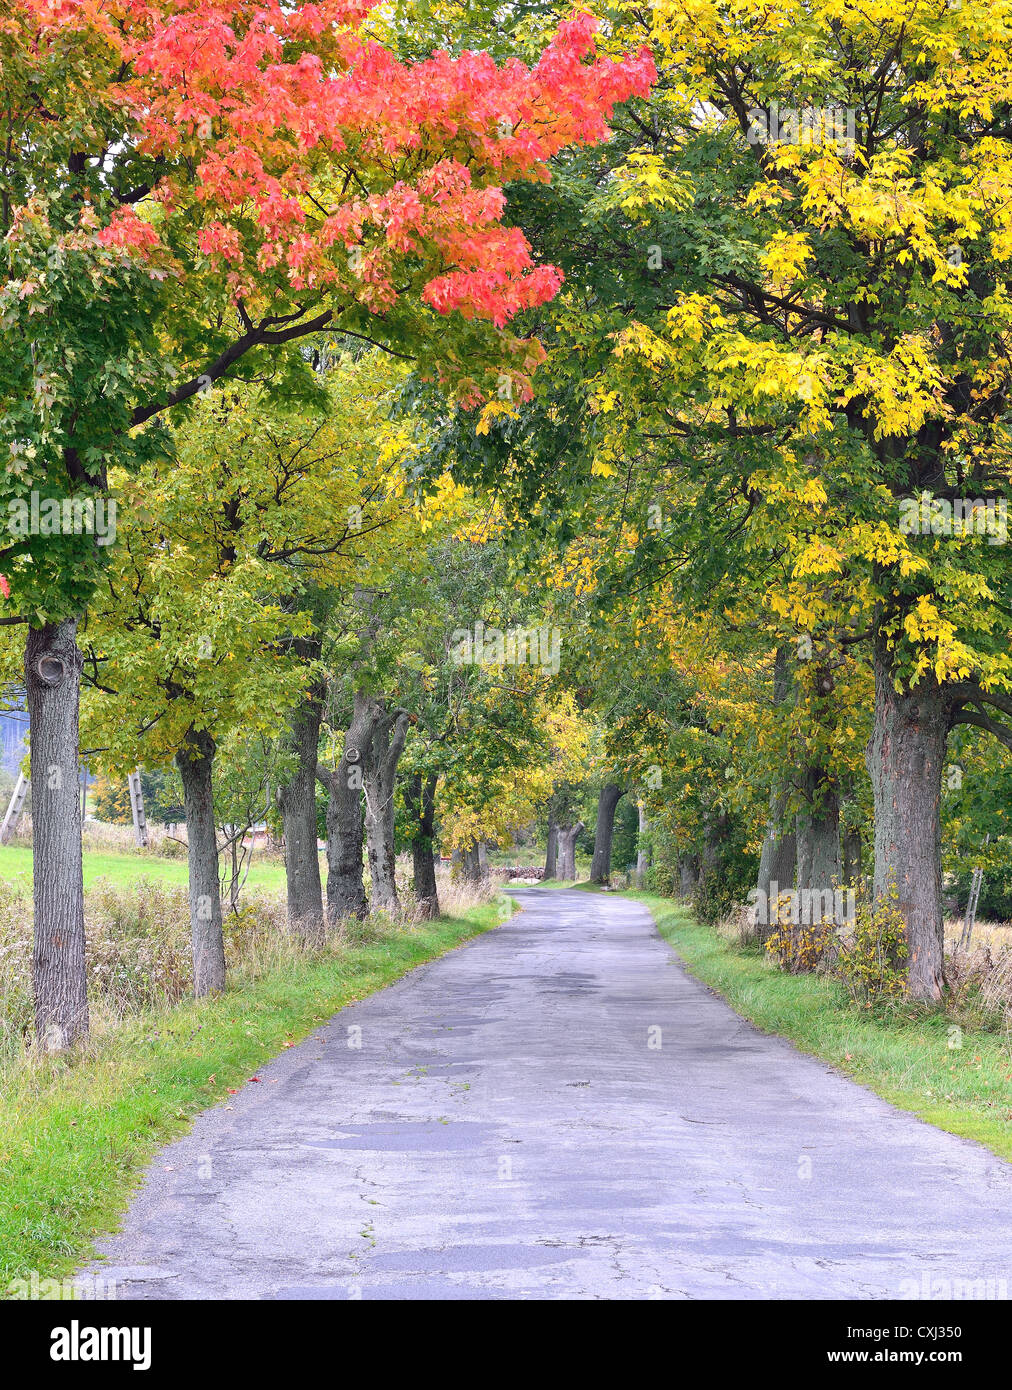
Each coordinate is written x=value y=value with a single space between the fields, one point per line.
x=483 y=869
x=297 y=801
x=688 y=874
x=777 y=862
x=345 y=838
x=852 y=851
x=568 y=836
x=233 y=886
x=552 y=851
x=421 y=801
x=52 y=678
x=380 y=777
x=604 y=832
x=778 y=858
x=195 y=761
x=818 y=840
x=905 y=757
x=642 y=850
x=714 y=832
x=471 y=863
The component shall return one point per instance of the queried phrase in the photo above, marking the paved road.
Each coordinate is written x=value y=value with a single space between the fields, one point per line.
x=509 y=1128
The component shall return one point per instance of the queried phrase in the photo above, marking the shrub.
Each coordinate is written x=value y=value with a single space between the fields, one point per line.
x=800 y=947
x=872 y=963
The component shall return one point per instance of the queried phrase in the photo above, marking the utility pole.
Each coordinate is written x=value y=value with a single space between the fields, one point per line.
x=976 y=881
x=137 y=808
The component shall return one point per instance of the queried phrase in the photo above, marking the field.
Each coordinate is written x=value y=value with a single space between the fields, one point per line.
x=266 y=875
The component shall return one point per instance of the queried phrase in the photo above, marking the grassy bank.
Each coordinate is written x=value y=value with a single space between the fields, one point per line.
x=74 y=1137
x=918 y=1059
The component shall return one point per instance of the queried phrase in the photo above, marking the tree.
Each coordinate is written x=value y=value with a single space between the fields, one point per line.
x=345 y=887
x=110 y=800
x=848 y=324
x=187 y=192
x=209 y=627
x=608 y=798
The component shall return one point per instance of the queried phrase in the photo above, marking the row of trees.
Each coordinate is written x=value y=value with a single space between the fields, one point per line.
x=773 y=423
x=756 y=483
x=186 y=194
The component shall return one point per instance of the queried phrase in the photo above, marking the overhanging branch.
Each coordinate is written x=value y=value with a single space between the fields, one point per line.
x=259 y=336
x=981 y=721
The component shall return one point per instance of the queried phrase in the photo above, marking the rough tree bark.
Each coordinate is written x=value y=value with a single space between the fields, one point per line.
x=851 y=857
x=389 y=734
x=688 y=874
x=552 y=851
x=470 y=863
x=818 y=837
x=604 y=832
x=642 y=849
x=420 y=797
x=777 y=859
x=905 y=757
x=297 y=803
x=195 y=761
x=568 y=836
x=53 y=664
x=345 y=836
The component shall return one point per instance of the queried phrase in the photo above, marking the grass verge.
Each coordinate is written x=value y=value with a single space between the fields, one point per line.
x=74 y=1136
x=918 y=1059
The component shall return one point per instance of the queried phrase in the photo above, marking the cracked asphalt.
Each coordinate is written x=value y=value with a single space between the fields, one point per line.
x=558 y=1110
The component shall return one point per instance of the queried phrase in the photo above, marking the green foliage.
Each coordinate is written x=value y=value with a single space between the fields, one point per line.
x=623 y=849
x=731 y=874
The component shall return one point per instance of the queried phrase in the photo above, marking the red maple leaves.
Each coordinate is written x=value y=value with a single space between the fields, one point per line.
x=310 y=161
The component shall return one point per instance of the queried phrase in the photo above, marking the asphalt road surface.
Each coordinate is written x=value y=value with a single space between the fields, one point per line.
x=557 y=1110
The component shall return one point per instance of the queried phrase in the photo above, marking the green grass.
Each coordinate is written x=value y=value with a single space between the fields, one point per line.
x=16 y=866
x=74 y=1136
x=904 y=1055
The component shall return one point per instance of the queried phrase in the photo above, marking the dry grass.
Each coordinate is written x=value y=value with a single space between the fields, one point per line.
x=980 y=979
x=138 y=946
x=100 y=837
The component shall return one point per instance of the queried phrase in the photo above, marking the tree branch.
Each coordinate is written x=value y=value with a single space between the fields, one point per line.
x=256 y=337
